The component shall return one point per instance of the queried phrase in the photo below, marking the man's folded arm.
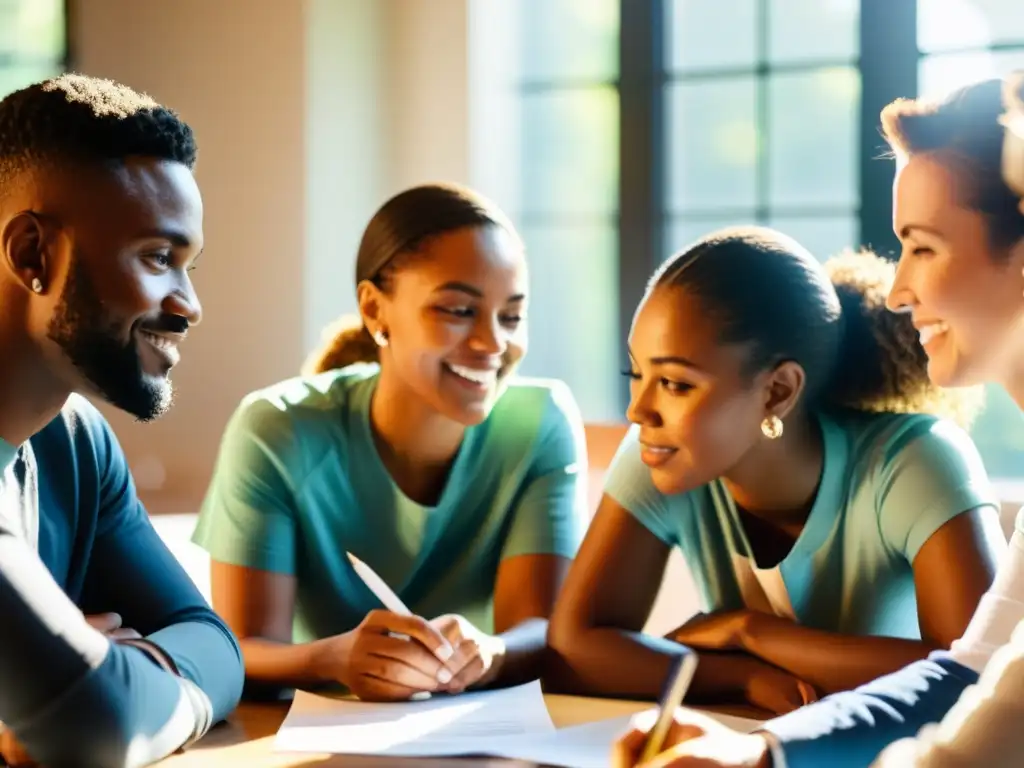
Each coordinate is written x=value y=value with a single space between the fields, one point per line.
x=70 y=696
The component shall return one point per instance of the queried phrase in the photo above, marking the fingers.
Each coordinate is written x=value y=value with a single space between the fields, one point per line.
x=449 y=626
x=807 y=692
x=372 y=688
x=104 y=622
x=467 y=665
x=413 y=627
x=626 y=750
x=12 y=752
x=403 y=662
x=124 y=634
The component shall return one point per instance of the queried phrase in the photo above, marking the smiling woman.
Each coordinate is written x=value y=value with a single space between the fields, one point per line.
x=408 y=444
x=787 y=440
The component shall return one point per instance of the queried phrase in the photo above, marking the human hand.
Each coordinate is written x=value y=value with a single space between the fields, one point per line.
x=110 y=625
x=723 y=631
x=694 y=740
x=776 y=690
x=389 y=657
x=478 y=656
x=11 y=751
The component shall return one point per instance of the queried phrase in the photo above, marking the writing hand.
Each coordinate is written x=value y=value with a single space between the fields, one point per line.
x=389 y=657
x=694 y=741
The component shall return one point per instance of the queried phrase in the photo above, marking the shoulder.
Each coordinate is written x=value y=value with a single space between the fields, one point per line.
x=300 y=407
x=80 y=431
x=538 y=410
x=882 y=440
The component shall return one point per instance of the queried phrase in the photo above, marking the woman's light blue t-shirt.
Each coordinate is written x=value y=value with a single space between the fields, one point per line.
x=299 y=482
x=889 y=482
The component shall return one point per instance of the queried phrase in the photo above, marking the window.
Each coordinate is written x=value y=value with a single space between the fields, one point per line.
x=33 y=43
x=632 y=127
x=961 y=41
x=762 y=102
x=548 y=154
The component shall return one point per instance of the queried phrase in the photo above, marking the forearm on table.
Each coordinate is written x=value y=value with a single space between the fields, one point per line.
x=524 y=652
x=610 y=662
x=273 y=664
x=204 y=651
x=829 y=661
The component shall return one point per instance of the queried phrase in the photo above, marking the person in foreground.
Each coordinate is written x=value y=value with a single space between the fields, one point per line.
x=100 y=221
x=960 y=277
x=407 y=444
x=786 y=439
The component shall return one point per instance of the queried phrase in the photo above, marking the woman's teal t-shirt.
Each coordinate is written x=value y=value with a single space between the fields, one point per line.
x=889 y=482
x=299 y=482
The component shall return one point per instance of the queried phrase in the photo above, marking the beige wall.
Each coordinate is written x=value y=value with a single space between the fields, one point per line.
x=308 y=113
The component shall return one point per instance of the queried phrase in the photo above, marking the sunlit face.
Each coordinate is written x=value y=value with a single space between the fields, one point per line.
x=965 y=297
x=455 y=316
x=129 y=237
x=699 y=412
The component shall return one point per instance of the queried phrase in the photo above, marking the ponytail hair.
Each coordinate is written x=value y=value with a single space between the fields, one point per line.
x=881 y=366
x=767 y=291
x=400 y=228
x=343 y=343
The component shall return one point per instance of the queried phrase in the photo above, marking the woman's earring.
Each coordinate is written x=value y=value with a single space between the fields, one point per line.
x=772 y=427
x=37 y=285
x=380 y=337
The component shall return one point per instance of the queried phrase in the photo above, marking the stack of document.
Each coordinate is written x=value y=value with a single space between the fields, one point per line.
x=511 y=723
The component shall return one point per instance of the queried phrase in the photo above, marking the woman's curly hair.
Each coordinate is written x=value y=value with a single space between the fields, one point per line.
x=883 y=367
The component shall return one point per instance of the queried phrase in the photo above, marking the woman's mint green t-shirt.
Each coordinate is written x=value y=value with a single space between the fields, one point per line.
x=299 y=482
x=889 y=482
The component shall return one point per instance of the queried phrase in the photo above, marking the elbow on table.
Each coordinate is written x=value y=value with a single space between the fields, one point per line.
x=565 y=639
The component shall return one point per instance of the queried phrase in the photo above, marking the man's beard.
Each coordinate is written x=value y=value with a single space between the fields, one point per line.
x=91 y=343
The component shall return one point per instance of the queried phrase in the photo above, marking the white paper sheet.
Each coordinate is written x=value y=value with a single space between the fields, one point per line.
x=512 y=723
x=441 y=726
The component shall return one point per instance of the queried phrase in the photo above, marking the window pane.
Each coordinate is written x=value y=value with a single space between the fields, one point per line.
x=813 y=30
x=32 y=29
x=939 y=74
x=712 y=144
x=684 y=232
x=15 y=77
x=574 y=314
x=944 y=25
x=711 y=34
x=999 y=434
x=823 y=236
x=812 y=137
x=569 y=39
x=570 y=155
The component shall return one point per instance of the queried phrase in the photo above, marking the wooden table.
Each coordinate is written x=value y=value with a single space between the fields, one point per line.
x=247 y=739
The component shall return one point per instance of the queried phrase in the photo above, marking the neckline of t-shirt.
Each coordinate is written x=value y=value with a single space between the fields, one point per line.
x=823 y=511
x=363 y=407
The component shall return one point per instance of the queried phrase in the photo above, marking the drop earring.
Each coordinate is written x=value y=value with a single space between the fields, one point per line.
x=381 y=338
x=37 y=285
x=772 y=427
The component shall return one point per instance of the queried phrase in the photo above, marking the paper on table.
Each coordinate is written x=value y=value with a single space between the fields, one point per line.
x=443 y=726
x=588 y=745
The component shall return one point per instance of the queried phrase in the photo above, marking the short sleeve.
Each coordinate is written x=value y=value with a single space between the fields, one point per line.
x=932 y=473
x=629 y=484
x=248 y=515
x=551 y=514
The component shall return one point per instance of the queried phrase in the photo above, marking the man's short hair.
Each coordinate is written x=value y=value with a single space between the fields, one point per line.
x=75 y=118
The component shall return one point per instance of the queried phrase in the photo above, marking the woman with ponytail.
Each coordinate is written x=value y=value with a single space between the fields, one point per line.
x=959 y=214
x=787 y=439
x=408 y=444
